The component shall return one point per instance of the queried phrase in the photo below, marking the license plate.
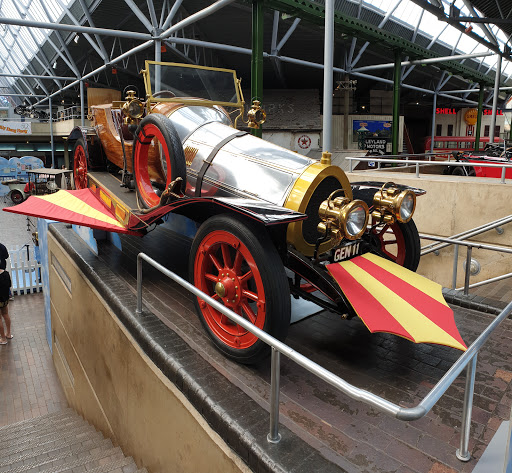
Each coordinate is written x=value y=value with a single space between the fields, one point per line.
x=346 y=252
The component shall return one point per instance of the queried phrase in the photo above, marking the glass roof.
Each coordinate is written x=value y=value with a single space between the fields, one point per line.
x=410 y=13
x=18 y=45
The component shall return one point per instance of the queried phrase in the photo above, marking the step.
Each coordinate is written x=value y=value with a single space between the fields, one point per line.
x=108 y=466
x=67 y=461
x=92 y=440
x=42 y=429
x=37 y=421
x=66 y=433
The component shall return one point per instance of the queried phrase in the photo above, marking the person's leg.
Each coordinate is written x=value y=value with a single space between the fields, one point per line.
x=3 y=340
x=7 y=320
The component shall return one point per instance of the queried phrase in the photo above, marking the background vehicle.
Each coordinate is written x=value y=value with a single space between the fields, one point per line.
x=270 y=221
x=451 y=144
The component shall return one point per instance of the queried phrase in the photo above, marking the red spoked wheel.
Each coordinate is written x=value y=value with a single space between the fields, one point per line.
x=399 y=242
x=156 y=130
x=80 y=165
x=243 y=272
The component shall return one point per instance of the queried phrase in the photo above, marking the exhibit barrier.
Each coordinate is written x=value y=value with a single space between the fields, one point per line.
x=466 y=360
x=456 y=240
x=408 y=162
x=25 y=270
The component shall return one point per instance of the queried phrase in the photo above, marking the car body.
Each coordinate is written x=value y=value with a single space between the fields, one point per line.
x=270 y=221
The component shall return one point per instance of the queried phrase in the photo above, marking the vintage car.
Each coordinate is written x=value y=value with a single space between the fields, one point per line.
x=271 y=223
x=492 y=154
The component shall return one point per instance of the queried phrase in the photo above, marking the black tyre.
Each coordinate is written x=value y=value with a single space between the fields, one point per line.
x=159 y=128
x=17 y=197
x=399 y=242
x=459 y=171
x=237 y=264
x=80 y=165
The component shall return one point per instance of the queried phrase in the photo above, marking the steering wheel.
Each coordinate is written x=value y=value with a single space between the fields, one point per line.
x=166 y=94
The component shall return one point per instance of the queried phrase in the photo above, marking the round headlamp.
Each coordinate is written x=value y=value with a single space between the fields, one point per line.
x=354 y=219
x=134 y=109
x=391 y=204
x=407 y=206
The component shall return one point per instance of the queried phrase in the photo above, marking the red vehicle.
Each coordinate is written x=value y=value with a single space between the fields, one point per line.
x=451 y=144
x=492 y=154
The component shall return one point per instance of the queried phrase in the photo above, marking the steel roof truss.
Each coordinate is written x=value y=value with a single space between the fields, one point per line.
x=171 y=14
x=91 y=24
x=102 y=53
x=61 y=40
x=138 y=13
x=381 y=25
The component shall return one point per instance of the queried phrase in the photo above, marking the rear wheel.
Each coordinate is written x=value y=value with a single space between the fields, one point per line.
x=399 y=242
x=237 y=264
x=80 y=165
x=156 y=130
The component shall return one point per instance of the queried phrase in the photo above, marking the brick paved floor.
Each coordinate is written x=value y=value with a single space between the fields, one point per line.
x=29 y=386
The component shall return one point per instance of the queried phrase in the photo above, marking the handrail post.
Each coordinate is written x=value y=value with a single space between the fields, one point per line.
x=417 y=170
x=455 y=262
x=468 y=271
x=274 y=436
x=138 y=311
x=350 y=165
x=462 y=453
x=503 y=169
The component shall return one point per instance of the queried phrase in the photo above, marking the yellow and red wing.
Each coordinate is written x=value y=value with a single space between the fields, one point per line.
x=390 y=298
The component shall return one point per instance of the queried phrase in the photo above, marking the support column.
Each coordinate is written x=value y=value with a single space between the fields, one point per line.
x=158 y=69
x=82 y=103
x=479 y=117
x=257 y=56
x=328 y=79
x=51 y=134
x=433 y=129
x=396 y=102
x=495 y=99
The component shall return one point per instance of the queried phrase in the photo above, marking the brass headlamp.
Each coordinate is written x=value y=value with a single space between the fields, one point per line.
x=342 y=217
x=256 y=116
x=133 y=108
x=391 y=204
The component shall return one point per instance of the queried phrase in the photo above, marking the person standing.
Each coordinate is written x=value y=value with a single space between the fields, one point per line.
x=5 y=285
x=4 y=254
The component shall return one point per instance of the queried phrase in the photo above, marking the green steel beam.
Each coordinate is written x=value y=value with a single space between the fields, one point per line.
x=479 y=117
x=257 y=56
x=397 y=76
x=351 y=26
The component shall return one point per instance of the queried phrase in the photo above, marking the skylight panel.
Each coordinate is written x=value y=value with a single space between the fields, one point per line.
x=11 y=56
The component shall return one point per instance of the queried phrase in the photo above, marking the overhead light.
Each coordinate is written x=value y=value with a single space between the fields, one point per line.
x=76 y=38
x=55 y=65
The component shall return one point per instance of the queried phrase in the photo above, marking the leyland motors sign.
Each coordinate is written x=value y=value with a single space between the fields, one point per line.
x=15 y=128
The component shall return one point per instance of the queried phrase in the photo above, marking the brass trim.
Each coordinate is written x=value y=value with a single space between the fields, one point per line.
x=299 y=197
x=190 y=101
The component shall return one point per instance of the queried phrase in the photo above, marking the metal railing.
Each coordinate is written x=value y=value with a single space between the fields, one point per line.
x=467 y=359
x=418 y=163
x=470 y=245
x=456 y=240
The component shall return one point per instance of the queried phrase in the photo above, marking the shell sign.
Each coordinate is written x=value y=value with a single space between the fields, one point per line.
x=471 y=116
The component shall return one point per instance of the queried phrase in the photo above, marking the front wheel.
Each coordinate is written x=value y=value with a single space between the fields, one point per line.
x=399 y=242
x=237 y=264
